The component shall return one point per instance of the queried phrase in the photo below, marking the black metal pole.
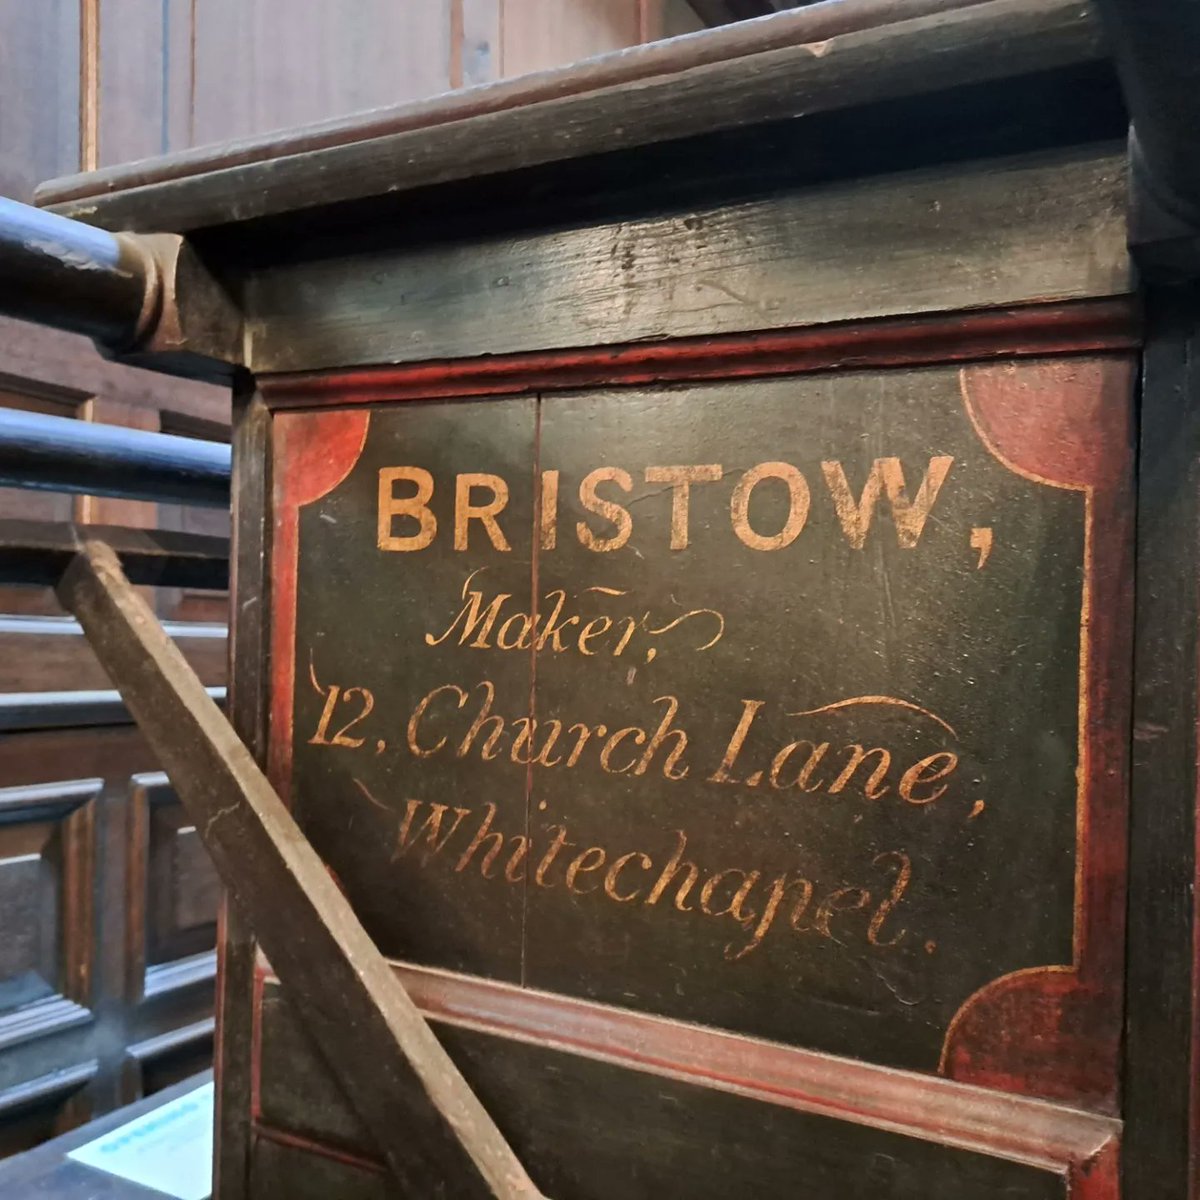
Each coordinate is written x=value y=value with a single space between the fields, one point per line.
x=64 y=273
x=59 y=454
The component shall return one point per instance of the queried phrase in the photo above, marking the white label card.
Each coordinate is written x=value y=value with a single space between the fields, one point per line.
x=168 y=1150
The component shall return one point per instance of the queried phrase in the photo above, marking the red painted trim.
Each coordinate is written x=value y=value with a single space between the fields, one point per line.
x=1055 y=1031
x=219 y=1016
x=311 y=455
x=256 y=1002
x=1042 y=329
x=294 y=1142
x=1098 y=1178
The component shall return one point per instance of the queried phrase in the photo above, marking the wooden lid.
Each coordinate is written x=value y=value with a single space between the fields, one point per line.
x=830 y=55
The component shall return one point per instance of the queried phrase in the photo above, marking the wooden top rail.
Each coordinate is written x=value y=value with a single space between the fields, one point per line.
x=814 y=23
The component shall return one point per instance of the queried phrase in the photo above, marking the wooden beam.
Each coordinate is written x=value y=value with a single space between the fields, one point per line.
x=429 y=1125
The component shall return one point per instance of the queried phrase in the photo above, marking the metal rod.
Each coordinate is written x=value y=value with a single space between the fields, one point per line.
x=1156 y=44
x=71 y=276
x=59 y=454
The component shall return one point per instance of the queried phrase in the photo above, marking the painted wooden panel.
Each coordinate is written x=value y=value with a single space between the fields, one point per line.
x=714 y=701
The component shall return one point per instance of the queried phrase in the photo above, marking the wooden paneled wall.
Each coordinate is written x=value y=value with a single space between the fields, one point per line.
x=106 y=900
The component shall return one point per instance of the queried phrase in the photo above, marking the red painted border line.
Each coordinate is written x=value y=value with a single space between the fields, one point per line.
x=1031 y=330
x=928 y=1107
x=295 y=1142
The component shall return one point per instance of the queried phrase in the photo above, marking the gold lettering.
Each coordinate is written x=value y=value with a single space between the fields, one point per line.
x=815 y=754
x=491 y=744
x=435 y=839
x=474 y=621
x=886 y=475
x=585 y=732
x=522 y=641
x=749 y=712
x=903 y=875
x=525 y=738
x=587 y=633
x=659 y=739
x=580 y=865
x=681 y=479
x=630 y=626
x=779 y=888
x=614 y=872
x=673 y=867
x=517 y=859
x=392 y=506
x=916 y=774
x=798 y=502
x=560 y=840
x=548 y=512
x=639 y=736
x=846 y=899
x=551 y=629
x=734 y=907
x=415 y=720
x=482 y=835
x=610 y=510
x=465 y=511
x=858 y=755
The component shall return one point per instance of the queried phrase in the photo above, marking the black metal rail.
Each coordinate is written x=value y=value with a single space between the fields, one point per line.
x=63 y=455
x=72 y=276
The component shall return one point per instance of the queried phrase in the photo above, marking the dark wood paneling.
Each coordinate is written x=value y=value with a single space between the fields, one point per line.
x=162 y=1061
x=40 y=1108
x=32 y=357
x=48 y=1174
x=49 y=654
x=86 y=1015
x=131 y=72
x=642 y=63
x=47 y=864
x=39 y=118
x=173 y=895
x=788 y=260
x=267 y=64
x=1163 y=1033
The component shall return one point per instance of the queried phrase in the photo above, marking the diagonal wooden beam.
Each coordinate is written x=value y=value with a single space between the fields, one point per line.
x=433 y=1132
